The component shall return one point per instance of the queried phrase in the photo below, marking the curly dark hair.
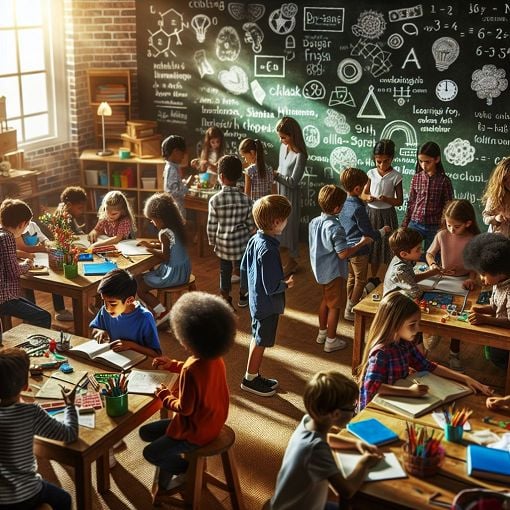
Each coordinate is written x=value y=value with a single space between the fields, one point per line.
x=488 y=253
x=204 y=324
x=162 y=206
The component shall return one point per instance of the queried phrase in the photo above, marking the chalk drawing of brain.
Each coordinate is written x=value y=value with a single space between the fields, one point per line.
x=370 y=25
x=459 y=152
x=337 y=121
x=228 y=44
x=342 y=158
x=488 y=82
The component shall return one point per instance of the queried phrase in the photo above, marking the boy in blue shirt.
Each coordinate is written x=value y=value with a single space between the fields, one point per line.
x=328 y=254
x=261 y=267
x=354 y=218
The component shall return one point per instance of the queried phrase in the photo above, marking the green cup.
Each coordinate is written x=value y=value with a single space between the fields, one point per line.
x=453 y=433
x=116 y=406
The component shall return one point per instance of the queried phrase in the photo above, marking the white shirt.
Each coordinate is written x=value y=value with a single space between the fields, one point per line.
x=383 y=185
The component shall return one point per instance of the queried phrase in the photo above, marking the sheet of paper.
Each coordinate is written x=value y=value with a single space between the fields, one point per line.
x=129 y=248
x=87 y=420
x=386 y=469
x=146 y=381
x=441 y=421
x=41 y=259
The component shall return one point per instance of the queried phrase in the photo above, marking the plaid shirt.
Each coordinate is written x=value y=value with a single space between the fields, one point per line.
x=500 y=299
x=427 y=197
x=121 y=227
x=230 y=223
x=400 y=275
x=260 y=186
x=10 y=268
x=388 y=363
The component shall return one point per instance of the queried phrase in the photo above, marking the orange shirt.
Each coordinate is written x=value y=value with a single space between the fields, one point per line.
x=200 y=402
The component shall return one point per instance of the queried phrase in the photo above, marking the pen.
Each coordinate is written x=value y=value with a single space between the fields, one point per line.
x=127 y=257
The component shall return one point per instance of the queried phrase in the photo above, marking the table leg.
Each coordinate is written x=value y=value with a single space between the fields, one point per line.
x=359 y=338
x=103 y=473
x=507 y=384
x=81 y=316
x=83 y=481
x=202 y=233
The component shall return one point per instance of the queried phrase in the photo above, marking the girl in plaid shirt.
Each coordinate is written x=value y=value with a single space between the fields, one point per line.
x=258 y=176
x=390 y=352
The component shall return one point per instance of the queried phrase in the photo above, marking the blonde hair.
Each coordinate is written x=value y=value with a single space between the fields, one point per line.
x=117 y=200
x=330 y=197
x=495 y=191
x=268 y=209
x=394 y=309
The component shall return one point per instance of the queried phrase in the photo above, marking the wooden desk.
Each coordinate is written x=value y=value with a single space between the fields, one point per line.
x=83 y=288
x=431 y=324
x=93 y=444
x=413 y=492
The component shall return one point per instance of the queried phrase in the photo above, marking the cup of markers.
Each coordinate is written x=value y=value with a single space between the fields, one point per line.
x=454 y=424
x=116 y=396
x=423 y=453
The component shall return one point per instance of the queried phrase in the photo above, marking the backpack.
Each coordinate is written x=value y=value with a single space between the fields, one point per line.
x=481 y=499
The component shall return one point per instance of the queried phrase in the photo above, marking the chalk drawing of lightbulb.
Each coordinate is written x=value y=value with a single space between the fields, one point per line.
x=200 y=23
x=445 y=51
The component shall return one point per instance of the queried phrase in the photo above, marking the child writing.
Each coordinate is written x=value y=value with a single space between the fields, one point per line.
x=496 y=199
x=354 y=219
x=73 y=201
x=328 y=258
x=21 y=487
x=258 y=176
x=390 y=352
x=205 y=327
x=115 y=220
x=15 y=216
x=175 y=267
x=430 y=190
x=489 y=255
x=230 y=225
x=213 y=148
x=383 y=192
x=261 y=268
x=308 y=466
x=291 y=167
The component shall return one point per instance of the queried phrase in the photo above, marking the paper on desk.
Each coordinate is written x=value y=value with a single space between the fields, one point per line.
x=82 y=240
x=41 y=259
x=87 y=420
x=441 y=421
x=386 y=469
x=129 y=247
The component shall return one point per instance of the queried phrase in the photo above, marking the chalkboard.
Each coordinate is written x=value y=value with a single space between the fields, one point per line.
x=351 y=73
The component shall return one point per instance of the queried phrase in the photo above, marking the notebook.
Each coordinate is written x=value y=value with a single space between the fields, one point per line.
x=52 y=387
x=145 y=381
x=372 y=431
x=98 y=268
x=488 y=463
x=387 y=468
x=441 y=391
x=129 y=248
x=103 y=354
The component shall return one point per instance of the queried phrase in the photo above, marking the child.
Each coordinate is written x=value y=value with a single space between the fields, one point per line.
x=261 y=268
x=116 y=220
x=496 y=198
x=356 y=223
x=291 y=167
x=489 y=255
x=308 y=466
x=328 y=254
x=383 y=192
x=457 y=229
x=21 y=487
x=258 y=177
x=15 y=216
x=430 y=190
x=390 y=352
x=230 y=225
x=206 y=328
x=73 y=201
x=175 y=266
x=173 y=150
x=212 y=150
x=500 y=404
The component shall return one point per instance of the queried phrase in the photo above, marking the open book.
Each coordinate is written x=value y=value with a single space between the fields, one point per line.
x=146 y=381
x=449 y=284
x=441 y=391
x=129 y=247
x=102 y=353
x=386 y=469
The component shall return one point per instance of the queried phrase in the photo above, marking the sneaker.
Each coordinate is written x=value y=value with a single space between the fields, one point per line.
x=64 y=315
x=112 y=461
x=175 y=482
x=257 y=386
x=243 y=301
x=336 y=345
x=272 y=383
x=320 y=338
x=349 y=315
x=455 y=363
x=162 y=317
x=430 y=342
x=235 y=278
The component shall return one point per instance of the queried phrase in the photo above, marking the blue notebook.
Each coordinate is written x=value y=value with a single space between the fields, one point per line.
x=372 y=431
x=98 y=268
x=488 y=463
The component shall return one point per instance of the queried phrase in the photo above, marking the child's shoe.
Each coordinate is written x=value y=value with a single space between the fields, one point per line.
x=334 y=344
x=455 y=363
x=258 y=387
x=349 y=314
x=272 y=383
x=321 y=336
x=235 y=278
x=64 y=315
x=162 y=317
x=243 y=300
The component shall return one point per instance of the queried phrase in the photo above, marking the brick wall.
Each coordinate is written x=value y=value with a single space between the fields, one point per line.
x=98 y=34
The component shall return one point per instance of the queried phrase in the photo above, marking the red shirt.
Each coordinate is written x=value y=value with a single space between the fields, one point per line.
x=10 y=268
x=200 y=402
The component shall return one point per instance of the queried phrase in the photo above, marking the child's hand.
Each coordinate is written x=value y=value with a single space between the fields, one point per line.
x=162 y=362
x=100 y=336
x=469 y=284
x=500 y=218
x=498 y=403
x=477 y=387
x=370 y=198
x=122 y=345
x=418 y=390
x=363 y=447
x=68 y=395
x=92 y=236
x=290 y=281
x=370 y=459
x=476 y=318
x=382 y=198
x=145 y=244
x=29 y=262
x=366 y=240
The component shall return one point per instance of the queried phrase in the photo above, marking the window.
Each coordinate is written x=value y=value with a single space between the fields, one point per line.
x=32 y=56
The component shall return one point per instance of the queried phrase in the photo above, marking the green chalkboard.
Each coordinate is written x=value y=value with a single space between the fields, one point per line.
x=350 y=72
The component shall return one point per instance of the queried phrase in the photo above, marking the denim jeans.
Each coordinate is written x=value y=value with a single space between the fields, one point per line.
x=226 y=267
x=23 y=309
x=427 y=231
x=54 y=496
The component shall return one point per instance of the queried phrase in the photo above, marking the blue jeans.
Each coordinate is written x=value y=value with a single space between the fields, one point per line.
x=23 y=309
x=427 y=231
x=226 y=267
x=56 y=497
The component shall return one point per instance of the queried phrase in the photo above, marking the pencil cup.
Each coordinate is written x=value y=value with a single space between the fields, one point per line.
x=116 y=406
x=422 y=466
x=453 y=433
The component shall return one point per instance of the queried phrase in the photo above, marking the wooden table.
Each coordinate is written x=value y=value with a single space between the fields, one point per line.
x=413 y=492
x=83 y=289
x=431 y=324
x=93 y=444
x=200 y=206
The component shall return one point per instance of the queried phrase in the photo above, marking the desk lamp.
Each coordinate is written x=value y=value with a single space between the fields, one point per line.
x=105 y=110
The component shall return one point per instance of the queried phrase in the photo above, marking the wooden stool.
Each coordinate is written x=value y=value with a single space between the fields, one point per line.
x=167 y=296
x=197 y=476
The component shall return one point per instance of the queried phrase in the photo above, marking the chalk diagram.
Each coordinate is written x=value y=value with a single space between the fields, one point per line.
x=228 y=44
x=349 y=71
x=371 y=98
x=290 y=47
x=395 y=41
x=445 y=51
x=411 y=143
x=446 y=90
x=170 y=24
x=342 y=158
x=235 y=80
x=405 y=13
x=337 y=121
x=370 y=25
x=341 y=95
x=410 y=29
x=283 y=20
x=249 y=12
x=488 y=82
x=203 y=65
x=200 y=23
x=312 y=136
x=253 y=34
x=380 y=59
x=258 y=92
x=459 y=152
x=314 y=90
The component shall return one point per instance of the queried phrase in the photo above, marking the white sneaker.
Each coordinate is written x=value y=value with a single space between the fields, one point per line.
x=176 y=481
x=235 y=278
x=112 y=461
x=455 y=363
x=162 y=317
x=320 y=338
x=430 y=342
x=335 y=345
x=349 y=315
x=64 y=316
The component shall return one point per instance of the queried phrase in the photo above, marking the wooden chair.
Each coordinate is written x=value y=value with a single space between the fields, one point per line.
x=169 y=295
x=198 y=476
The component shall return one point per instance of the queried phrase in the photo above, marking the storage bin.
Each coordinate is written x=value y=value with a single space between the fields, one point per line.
x=91 y=177
x=149 y=182
x=103 y=179
x=124 y=181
